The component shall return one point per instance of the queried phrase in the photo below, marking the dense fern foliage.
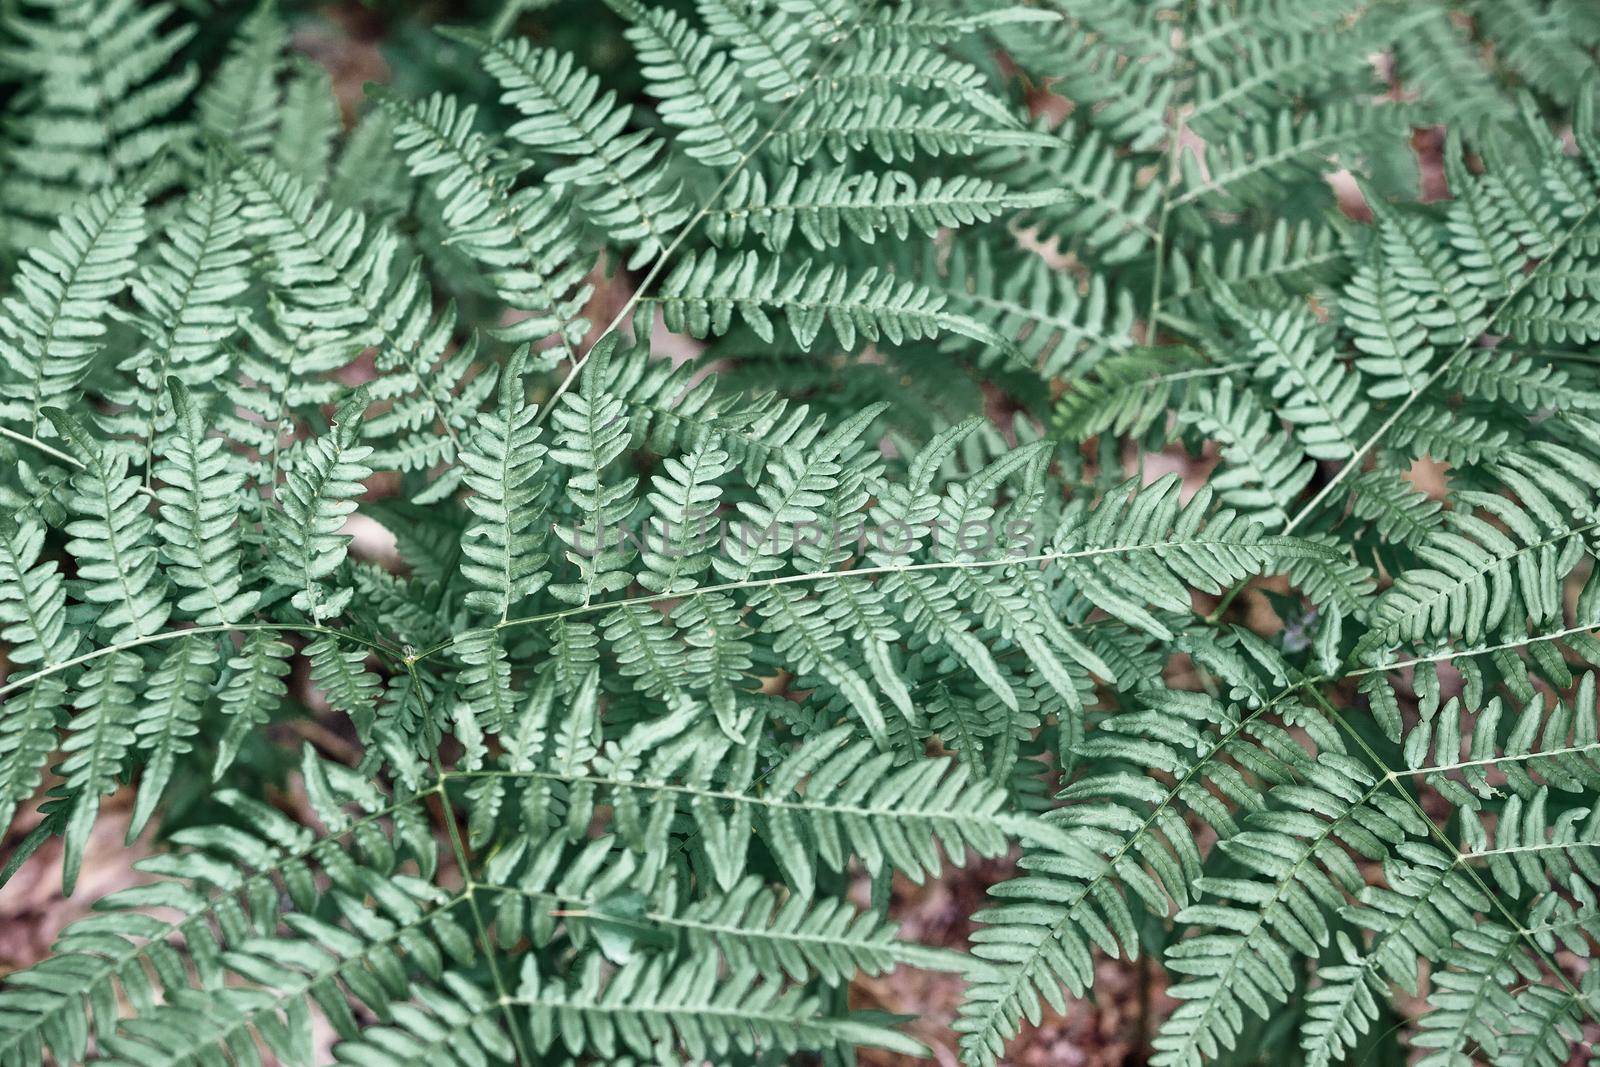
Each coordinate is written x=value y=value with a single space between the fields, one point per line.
x=705 y=459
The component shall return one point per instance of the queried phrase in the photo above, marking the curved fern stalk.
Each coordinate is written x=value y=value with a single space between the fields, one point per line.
x=312 y=504
x=653 y=1009
x=199 y=527
x=522 y=239
x=50 y=325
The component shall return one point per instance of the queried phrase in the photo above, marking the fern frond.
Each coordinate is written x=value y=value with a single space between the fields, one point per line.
x=318 y=493
x=111 y=538
x=115 y=975
x=1122 y=837
x=695 y=83
x=700 y=296
x=520 y=237
x=502 y=458
x=1315 y=393
x=199 y=527
x=185 y=315
x=1056 y=325
x=240 y=102
x=824 y=206
x=767 y=47
x=1474 y=576
x=175 y=697
x=1265 y=471
x=101 y=107
x=253 y=691
x=51 y=323
x=626 y=189
x=643 y=1009
x=1247 y=964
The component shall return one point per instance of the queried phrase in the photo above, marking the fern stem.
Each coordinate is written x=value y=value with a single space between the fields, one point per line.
x=1171 y=156
x=1517 y=850
x=34 y=442
x=194 y=631
x=1495 y=761
x=1483 y=650
x=448 y=817
x=817 y=576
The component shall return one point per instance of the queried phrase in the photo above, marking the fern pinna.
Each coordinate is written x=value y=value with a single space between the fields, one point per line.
x=766 y=402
